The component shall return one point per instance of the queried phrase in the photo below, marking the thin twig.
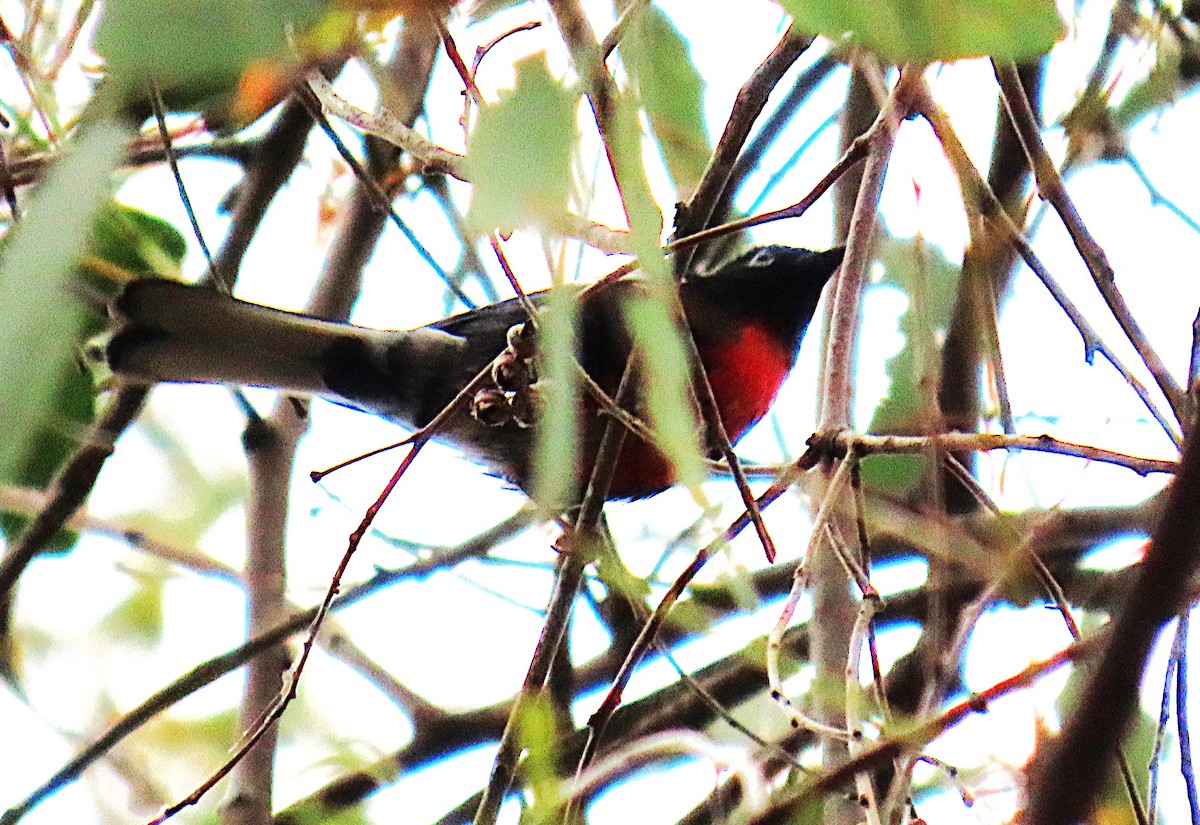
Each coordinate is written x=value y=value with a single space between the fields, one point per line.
x=1181 y=718
x=273 y=714
x=919 y=736
x=1050 y=187
x=1067 y=772
x=269 y=165
x=1164 y=716
x=433 y=158
x=612 y=700
x=380 y=197
x=457 y=61
x=482 y=51
x=578 y=553
x=751 y=158
x=208 y=672
x=863 y=445
x=622 y=25
x=799 y=585
x=853 y=155
x=863 y=783
x=696 y=214
x=160 y=118
x=980 y=199
x=64 y=47
x=839 y=365
x=68 y=490
x=580 y=37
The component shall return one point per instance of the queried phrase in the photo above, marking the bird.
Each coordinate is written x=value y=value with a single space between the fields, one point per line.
x=747 y=318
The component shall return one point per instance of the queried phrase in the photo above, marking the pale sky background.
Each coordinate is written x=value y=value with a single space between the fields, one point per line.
x=479 y=623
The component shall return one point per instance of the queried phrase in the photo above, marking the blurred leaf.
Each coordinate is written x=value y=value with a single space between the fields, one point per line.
x=140 y=616
x=520 y=153
x=23 y=130
x=124 y=243
x=667 y=387
x=690 y=617
x=208 y=42
x=665 y=374
x=51 y=436
x=1158 y=89
x=555 y=454
x=618 y=578
x=204 y=741
x=357 y=815
x=198 y=50
x=395 y=7
x=925 y=31
x=41 y=318
x=483 y=9
x=672 y=93
x=539 y=737
x=200 y=496
x=808 y=812
x=128 y=243
x=930 y=282
x=1112 y=806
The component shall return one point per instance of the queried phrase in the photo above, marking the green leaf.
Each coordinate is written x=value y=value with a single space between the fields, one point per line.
x=666 y=375
x=195 y=48
x=1157 y=90
x=133 y=242
x=925 y=31
x=666 y=386
x=672 y=93
x=539 y=738
x=50 y=437
x=139 y=618
x=555 y=453
x=42 y=319
x=124 y=242
x=483 y=9
x=23 y=129
x=520 y=153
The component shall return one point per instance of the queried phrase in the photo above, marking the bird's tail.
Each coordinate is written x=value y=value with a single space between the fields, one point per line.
x=169 y=331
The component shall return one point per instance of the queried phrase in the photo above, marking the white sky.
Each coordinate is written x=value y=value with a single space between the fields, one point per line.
x=454 y=637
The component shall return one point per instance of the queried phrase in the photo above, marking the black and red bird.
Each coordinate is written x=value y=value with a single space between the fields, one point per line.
x=747 y=318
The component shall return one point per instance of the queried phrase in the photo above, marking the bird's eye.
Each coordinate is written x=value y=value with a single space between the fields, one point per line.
x=763 y=257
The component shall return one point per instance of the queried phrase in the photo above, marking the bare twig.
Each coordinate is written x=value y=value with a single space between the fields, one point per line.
x=64 y=47
x=208 y=672
x=160 y=119
x=863 y=445
x=270 y=449
x=839 y=365
x=799 y=584
x=432 y=157
x=612 y=700
x=628 y=15
x=889 y=749
x=68 y=490
x=579 y=551
x=1051 y=188
x=588 y=59
x=269 y=166
x=695 y=215
x=979 y=198
x=457 y=61
x=1067 y=772
x=853 y=155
